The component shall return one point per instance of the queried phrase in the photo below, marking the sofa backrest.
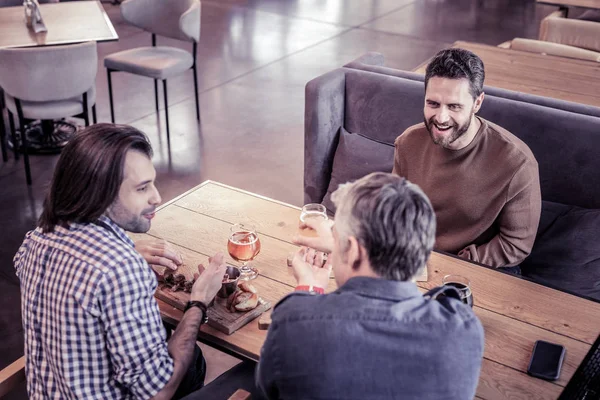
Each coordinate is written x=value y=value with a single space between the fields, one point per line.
x=373 y=62
x=566 y=144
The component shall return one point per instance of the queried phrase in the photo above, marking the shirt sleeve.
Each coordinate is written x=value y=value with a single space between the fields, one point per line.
x=518 y=222
x=17 y=259
x=135 y=335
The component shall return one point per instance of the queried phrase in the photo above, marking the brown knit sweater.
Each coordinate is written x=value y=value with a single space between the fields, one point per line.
x=486 y=196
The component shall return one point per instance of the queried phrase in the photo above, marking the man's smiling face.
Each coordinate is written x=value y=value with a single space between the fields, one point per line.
x=449 y=112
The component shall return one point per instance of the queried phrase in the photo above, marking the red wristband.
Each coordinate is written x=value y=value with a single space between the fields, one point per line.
x=311 y=288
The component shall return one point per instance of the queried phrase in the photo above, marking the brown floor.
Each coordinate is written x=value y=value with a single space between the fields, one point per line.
x=255 y=57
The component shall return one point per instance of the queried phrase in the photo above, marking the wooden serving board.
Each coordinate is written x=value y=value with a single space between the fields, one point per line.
x=218 y=315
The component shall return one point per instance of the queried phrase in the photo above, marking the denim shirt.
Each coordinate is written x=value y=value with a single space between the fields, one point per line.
x=371 y=339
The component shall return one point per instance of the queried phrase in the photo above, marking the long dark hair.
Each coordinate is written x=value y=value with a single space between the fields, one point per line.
x=89 y=173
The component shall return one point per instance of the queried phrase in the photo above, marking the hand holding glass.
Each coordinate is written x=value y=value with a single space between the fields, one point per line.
x=315 y=212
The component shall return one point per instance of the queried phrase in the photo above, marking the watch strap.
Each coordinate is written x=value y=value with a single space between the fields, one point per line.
x=201 y=306
x=310 y=289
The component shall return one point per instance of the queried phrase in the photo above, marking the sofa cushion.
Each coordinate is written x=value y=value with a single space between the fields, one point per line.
x=355 y=157
x=566 y=252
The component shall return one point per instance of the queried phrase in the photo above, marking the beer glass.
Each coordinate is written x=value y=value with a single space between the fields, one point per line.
x=243 y=245
x=315 y=212
x=461 y=284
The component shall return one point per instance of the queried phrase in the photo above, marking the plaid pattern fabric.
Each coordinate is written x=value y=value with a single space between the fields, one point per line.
x=92 y=326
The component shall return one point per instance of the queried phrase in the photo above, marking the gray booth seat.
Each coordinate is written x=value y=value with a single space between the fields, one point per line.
x=353 y=116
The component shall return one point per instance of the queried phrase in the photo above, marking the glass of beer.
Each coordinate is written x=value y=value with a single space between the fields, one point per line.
x=315 y=212
x=463 y=286
x=243 y=245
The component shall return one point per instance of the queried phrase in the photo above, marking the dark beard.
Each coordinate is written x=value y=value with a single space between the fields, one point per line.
x=457 y=133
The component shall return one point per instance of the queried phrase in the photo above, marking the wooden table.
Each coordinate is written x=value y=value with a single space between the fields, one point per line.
x=543 y=75
x=514 y=312
x=68 y=22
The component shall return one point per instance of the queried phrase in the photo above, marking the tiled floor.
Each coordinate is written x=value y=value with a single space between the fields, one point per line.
x=254 y=59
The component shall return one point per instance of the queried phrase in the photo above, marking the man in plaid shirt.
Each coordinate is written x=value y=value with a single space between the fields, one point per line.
x=92 y=326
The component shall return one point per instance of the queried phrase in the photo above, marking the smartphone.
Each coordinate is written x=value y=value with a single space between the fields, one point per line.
x=546 y=360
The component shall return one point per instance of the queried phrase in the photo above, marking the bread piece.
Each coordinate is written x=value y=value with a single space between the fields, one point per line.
x=246 y=301
x=247 y=287
x=231 y=299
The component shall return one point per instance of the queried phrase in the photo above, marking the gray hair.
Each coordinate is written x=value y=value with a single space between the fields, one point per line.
x=391 y=218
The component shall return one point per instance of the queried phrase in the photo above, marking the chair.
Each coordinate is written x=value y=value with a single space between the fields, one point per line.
x=550 y=48
x=47 y=83
x=177 y=19
x=12 y=376
x=9 y=3
x=565 y=37
x=584 y=34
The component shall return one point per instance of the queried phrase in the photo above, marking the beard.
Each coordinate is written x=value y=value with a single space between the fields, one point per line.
x=454 y=132
x=128 y=220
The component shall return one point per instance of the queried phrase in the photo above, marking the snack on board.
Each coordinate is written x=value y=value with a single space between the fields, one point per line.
x=176 y=282
x=244 y=299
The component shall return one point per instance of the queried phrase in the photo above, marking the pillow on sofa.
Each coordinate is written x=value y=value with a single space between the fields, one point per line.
x=355 y=157
x=566 y=252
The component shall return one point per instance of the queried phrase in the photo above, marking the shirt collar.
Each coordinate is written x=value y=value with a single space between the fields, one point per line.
x=380 y=288
x=107 y=223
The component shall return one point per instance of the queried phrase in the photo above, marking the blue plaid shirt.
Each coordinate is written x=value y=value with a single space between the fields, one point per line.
x=92 y=326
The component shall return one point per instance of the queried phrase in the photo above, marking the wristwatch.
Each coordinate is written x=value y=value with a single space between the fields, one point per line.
x=201 y=306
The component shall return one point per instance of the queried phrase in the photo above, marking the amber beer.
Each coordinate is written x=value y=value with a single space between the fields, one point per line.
x=314 y=212
x=243 y=245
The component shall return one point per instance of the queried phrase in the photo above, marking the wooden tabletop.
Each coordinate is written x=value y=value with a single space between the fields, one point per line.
x=67 y=23
x=543 y=75
x=593 y=4
x=514 y=312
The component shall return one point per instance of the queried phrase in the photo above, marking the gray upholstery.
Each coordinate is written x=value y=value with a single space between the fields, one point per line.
x=381 y=107
x=354 y=159
x=155 y=62
x=566 y=251
x=177 y=19
x=48 y=73
x=51 y=109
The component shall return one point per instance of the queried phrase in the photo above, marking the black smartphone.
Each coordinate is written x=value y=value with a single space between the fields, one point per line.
x=546 y=360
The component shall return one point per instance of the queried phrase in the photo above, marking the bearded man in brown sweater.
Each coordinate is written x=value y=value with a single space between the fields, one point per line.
x=483 y=181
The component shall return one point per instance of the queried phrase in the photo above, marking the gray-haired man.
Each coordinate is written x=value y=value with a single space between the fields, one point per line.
x=376 y=337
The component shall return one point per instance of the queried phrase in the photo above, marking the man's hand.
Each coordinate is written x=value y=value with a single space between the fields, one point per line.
x=324 y=240
x=209 y=279
x=159 y=252
x=309 y=269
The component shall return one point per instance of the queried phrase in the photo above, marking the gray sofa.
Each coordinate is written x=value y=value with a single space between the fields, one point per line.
x=353 y=115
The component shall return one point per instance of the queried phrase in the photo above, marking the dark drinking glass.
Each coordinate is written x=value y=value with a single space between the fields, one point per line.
x=461 y=284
